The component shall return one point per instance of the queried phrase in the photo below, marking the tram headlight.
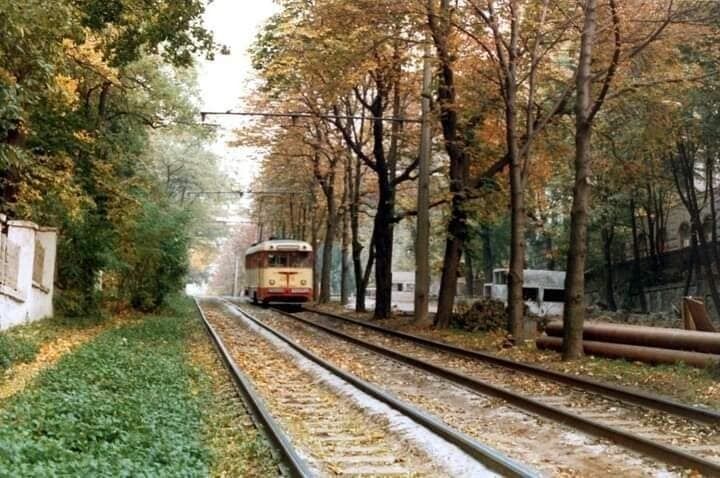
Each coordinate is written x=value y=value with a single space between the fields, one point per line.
x=272 y=282
x=303 y=282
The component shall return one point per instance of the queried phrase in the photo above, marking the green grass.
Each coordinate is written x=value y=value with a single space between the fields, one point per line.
x=121 y=405
x=21 y=344
x=15 y=350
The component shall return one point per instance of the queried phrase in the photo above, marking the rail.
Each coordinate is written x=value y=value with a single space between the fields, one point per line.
x=704 y=415
x=292 y=464
x=664 y=453
x=491 y=458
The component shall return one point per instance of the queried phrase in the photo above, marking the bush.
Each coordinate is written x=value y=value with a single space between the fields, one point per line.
x=157 y=263
x=15 y=350
x=484 y=315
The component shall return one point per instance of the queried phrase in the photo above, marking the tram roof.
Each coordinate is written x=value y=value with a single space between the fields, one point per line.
x=281 y=245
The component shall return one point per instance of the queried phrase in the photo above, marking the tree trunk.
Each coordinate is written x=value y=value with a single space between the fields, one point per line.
x=385 y=215
x=488 y=256
x=608 y=234
x=469 y=275
x=637 y=281
x=356 y=246
x=330 y=228
x=314 y=243
x=516 y=304
x=692 y=259
x=451 y=261
x=383 y=255
x=345 y=256
x=421 y=294
x=440 y=25
x=574 y=311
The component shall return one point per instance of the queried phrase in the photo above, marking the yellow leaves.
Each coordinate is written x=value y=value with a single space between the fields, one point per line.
x=6 y=77
x=49 y=179
x=67 y=87
x=84 y=136
x=89 y=55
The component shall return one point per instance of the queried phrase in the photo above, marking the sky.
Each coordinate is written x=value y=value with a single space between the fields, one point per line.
x=225 y=80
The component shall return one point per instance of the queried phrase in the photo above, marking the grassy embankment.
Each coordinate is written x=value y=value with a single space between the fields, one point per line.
x=142 y=399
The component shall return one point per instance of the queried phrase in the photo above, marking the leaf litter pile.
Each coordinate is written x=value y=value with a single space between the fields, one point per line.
x=27 y=350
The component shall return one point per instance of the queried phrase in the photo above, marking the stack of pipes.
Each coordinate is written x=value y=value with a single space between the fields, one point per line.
x=645 y=344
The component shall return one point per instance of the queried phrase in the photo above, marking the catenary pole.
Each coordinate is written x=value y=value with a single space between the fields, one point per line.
x=235 y=279
x=422 y=243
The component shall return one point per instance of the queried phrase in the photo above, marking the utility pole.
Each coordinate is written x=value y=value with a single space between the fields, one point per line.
x=422 y=242
x=235 y=279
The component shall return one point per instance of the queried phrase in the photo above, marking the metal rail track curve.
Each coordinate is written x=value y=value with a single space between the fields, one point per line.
x=292 y=464
x=659 y=451
x=490 y=457
x=700 y=414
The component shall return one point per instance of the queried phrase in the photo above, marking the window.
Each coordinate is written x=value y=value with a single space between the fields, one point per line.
x=501 y=277
x=289 y=259
x=554 y=295
x=300 y=259
x=531 y=293
x=277 y=260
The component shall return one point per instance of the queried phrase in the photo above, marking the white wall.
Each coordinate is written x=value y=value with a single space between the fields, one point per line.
x=41 y=304
x=29 y=302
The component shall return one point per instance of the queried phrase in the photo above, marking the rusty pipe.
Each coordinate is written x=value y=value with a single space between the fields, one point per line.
x=634 y=352
x=706 y=342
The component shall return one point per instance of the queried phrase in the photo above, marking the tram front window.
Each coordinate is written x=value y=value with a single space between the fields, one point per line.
x=300 y=259
x=290 y=259
x=277 y=260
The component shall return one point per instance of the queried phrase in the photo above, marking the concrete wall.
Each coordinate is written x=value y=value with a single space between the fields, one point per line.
x=29 y=301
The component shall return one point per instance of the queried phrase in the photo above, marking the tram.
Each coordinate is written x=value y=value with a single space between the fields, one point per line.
x=279 y=270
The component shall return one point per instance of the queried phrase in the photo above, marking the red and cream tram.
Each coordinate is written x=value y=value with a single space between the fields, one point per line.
x=279 y=270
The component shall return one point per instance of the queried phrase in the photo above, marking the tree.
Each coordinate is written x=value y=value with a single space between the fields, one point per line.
x=75 y=127
x=519 y=38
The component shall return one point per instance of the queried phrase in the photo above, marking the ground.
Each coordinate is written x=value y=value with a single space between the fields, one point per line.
x=129 y=394
x=683 y=383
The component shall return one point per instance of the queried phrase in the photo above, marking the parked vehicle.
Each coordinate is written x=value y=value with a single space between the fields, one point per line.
x=543 y=290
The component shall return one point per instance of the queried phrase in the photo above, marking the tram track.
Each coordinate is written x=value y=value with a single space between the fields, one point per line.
x=665 y=437
x=696 y=413
x=554 y=449
x=329 y=432
x=292 y=464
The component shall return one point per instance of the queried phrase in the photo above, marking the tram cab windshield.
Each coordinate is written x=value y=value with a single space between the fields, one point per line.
x=295 y=259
